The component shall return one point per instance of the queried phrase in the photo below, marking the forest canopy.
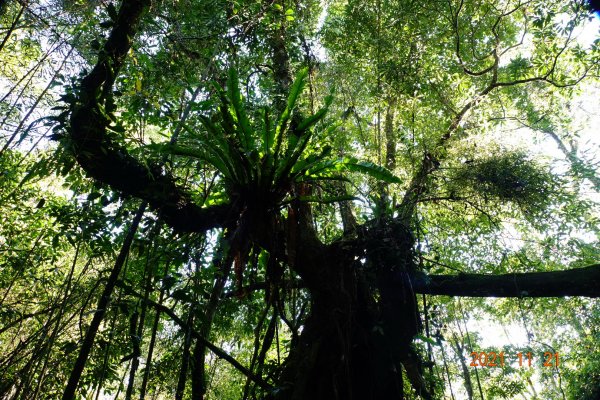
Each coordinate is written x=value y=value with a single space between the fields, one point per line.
x=219 y=199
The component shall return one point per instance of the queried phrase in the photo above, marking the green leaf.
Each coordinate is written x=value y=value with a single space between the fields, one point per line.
x=322 y=166
x=309 y=122
x=210 y=154
x=368 y=168
x=295 y=90
x=222 y=150
x=426 y=339
x=55 y=242
x=244 y=133
x=317 y=178
x=311 y=160
x=286 y=165
x=267 y=134
x=353 y=165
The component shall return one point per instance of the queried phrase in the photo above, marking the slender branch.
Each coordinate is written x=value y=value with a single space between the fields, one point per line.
x=103 y=303
x=24 y=317
x=182 y=324
x=430 y=163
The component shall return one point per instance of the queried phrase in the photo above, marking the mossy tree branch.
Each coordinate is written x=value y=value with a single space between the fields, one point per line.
x=107 y=161
x=584 y=282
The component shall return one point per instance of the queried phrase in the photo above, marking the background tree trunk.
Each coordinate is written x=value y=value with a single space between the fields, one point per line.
x=103 y=302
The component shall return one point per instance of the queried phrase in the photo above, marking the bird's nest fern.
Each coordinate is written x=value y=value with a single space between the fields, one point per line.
x=261 y=158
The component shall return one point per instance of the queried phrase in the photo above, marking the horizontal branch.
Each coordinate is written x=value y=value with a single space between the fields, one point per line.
x=584 y=282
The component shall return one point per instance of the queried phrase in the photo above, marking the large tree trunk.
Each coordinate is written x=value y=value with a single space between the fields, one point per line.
x=362 y=322
x=334 y=341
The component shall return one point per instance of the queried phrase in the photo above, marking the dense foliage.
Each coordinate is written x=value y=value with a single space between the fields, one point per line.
x=245 y=199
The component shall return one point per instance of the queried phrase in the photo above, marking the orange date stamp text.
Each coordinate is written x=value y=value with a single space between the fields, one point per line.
x=498 y=359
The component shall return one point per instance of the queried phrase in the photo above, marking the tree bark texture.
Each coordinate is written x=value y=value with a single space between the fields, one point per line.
x=357 y=338
x=583 y=282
